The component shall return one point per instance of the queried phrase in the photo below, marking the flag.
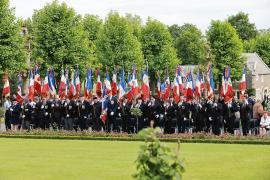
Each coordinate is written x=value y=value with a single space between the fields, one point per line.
x=88 y=84
x=37 y=81
x=62 y=86
x=72 y=88
x=6 y=88
x=114 y=85
x=104 y=106
x=179 y=80
x=52 y=88
x=98 y=85
x=135 y=85
x=158 y=88
x=45 y=86
x=202 y=83
x=229 y=89
x=176 y=89
x=31 y=90
x=77 y=83
x=107 y=83
x=122 y=85
x=198 y=84
x=223 y=86
x=210 y=83
x=145 y=85
x=129 y=88
x=167 y=83
x=189 y=87
x=243 y=84
x=19 y=97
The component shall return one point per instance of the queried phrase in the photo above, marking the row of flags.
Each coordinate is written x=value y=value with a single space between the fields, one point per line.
x=71 y=87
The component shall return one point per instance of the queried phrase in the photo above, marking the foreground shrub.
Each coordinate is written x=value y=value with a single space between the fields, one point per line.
x=157 y=161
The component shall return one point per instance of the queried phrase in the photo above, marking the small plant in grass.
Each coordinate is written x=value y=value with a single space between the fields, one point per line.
x=156 y=161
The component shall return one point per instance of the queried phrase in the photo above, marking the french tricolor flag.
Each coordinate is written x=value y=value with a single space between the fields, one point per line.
x=88 y=84
x=98 y=85
x=189 y=87
x=145 y=85
x=198 y=84
x=167 y=86
x=52 y=83
x=210 y=84
x=62 y=86
x=37 y=82
x=19 y=97
x=176 y=90
x=31 y=90
x=122 y=86
x=158 y=89
x=114 y=85
x=45 y=87
x=135 y=86
x=107 y=83
x=6 y=88
x=243 y=84
x=72 y=88
x=77 y=82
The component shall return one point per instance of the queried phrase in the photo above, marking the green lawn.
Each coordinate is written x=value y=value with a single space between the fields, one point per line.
x=82 y=159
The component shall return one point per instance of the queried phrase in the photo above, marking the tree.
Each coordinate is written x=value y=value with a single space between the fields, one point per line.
x=135 y=23
x=12 y=51
x=260 y=45
x=244 y=28
x=158 y=48
x=190 y=45
x=116 y=45
x=92 y=25
x=226 y=48
x=175 y=31
x=59 y=37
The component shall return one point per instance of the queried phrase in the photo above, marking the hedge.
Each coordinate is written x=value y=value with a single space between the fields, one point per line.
x=262 y=141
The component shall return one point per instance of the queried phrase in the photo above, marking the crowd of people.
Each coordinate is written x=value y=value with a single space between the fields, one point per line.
x=198 y=115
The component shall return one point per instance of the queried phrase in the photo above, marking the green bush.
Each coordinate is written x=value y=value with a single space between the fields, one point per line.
x=157 y=161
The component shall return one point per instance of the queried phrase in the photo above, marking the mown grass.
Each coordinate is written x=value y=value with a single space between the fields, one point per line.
x=80 y=159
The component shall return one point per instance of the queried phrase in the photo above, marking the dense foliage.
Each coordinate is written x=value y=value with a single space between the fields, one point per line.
x=226 y=48
x=244 y=28
x=12 y=51
x=116 y=44
x=59 y=37
x=156 y=160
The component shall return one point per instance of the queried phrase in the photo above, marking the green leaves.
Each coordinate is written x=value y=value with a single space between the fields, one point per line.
x=244 y=28
x=226 y=48
x=12 y=52
x=59 y=37
x=116 y=44
x=157 y=161
x=157 y=47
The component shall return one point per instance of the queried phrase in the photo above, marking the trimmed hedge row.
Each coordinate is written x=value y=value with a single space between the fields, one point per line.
x=215 y=141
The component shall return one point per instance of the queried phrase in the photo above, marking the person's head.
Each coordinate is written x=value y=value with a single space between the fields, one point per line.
x=265 y=114
x=139 y=100
x=95 y=99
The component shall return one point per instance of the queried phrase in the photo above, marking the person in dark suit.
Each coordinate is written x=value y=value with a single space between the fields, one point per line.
x=84 y=112
x=111 y=113
x=245 y=114
x=56 y=113
x=27 y=114
x=96 y=113
x=15 y=111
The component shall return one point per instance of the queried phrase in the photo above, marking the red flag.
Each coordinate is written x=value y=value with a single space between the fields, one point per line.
x=114 y=84
x=19 y=97
x=31 y=90
x=145 y=85
x=62 y=87
x=176 y=89
x=189 y=88
x=37 y=81
x=45 y=86
x=6 y=88
x=167 y=86
x=158 y=88
x=98 y=85
x=243 y=84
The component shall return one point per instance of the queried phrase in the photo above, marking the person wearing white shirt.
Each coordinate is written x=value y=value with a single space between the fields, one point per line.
x=265 y=123
x=7 y=105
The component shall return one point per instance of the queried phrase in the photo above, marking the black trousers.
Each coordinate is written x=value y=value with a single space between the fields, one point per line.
x=7 y=121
